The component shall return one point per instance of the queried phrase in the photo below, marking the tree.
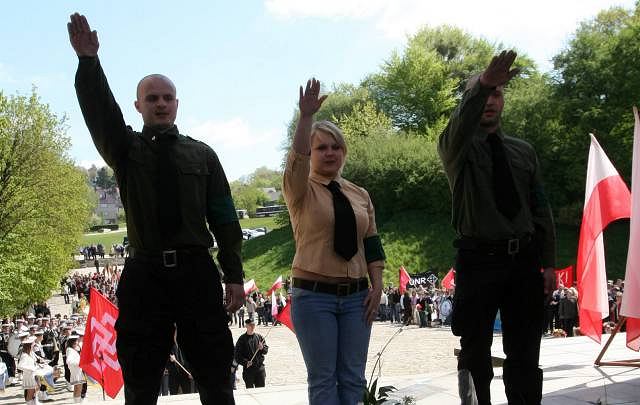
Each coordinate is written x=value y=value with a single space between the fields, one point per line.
x=598 y=81
x=105 y=178
x=44 y=202
x=92 y=172
x=419 y=88
x=414 y=89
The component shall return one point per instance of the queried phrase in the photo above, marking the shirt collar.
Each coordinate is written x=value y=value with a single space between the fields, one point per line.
x=482 y=134
x=324 y=180
x=153 y=134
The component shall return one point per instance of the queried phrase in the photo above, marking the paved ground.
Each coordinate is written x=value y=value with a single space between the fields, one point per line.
x=413 y=350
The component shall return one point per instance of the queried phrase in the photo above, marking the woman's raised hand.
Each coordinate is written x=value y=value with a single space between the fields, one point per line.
x=309 y=101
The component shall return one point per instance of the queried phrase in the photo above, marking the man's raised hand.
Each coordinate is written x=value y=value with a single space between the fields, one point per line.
x=499 y=71
x=309 y=101
x=83 y=40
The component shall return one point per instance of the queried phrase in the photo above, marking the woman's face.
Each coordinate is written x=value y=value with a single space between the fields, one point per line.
x=327 y=156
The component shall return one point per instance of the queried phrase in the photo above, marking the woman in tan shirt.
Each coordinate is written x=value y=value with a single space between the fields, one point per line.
x=337 y=247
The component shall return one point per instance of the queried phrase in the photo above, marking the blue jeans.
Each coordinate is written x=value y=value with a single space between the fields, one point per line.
x=334 y=338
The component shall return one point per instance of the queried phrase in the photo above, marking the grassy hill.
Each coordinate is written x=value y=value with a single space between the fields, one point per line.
x=420 y=243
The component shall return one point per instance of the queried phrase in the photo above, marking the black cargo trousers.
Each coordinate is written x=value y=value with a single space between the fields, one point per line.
x=512 y=283
x=153 y=299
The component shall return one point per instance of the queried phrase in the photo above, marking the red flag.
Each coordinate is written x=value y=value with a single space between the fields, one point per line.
x=630 y=307
x=607 y=199
x=448 y=281
x=564 y=277
x=284 y=317
x=404 y=279
x=250 y=286
x=98 y=357
x=277 y=284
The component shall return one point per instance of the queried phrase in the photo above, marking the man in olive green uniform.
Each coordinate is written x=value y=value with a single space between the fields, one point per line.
x=506 y=237
x=171 y=186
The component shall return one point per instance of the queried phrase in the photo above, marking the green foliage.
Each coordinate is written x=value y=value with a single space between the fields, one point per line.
x=598 y=79
x=44 y=202
x=107 y=239
x=400 y=172
x=365 y=120
x=419 y=241
x=247 y=191
x=267 y=257
x=414 y=89
x=105 y=178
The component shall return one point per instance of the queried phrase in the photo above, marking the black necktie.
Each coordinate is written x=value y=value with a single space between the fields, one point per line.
x=504 y=188
x=345 y=237
x=167 y=190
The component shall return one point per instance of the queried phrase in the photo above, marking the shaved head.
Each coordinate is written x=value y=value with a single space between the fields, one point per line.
x=156 y=101
x=154 y=76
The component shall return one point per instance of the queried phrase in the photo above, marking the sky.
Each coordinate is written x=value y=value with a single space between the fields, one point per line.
x=237 y=65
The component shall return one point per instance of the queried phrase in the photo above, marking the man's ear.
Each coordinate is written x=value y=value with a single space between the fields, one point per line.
x=137 y=105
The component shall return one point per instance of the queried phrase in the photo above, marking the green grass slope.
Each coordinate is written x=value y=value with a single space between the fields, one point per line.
x=420 y=243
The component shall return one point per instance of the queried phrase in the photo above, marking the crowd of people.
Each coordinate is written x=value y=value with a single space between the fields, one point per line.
x=562 y=311
x=38 y=349
x=95 y=251
x=76 y=287
x=31 y=344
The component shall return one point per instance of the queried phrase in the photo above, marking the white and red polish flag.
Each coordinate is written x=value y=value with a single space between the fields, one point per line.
x=277 y=284
x=631 y=299
x=607 y=199
x=98 y=357
x=250 y=286
x=274 y=305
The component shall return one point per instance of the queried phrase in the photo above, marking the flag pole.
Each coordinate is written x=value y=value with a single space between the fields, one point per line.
x=263 y=341
x=623 y=363
x=102 y=376
x=182 y=367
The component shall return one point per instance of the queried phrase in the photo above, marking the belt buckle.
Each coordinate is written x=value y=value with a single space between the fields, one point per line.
x=343 y=289
x=169 y=258
x=513 y=246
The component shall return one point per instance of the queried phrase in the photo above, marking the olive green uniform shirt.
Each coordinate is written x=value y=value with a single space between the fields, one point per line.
x=205 y=196
x=466 y=156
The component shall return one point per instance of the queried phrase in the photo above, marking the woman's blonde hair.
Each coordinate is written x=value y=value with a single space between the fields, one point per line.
x=331 y=129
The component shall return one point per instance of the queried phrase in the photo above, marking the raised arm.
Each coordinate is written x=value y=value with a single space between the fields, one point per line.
x=296 y=172
x=99 y=108
x=456 y=138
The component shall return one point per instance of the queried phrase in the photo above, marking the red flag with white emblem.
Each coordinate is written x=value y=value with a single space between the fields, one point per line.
x=564 y=277
x=98 y=357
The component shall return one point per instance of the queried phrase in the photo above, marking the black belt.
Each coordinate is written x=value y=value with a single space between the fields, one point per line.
x=167 y=258
x=341 y=289
x=499 y=247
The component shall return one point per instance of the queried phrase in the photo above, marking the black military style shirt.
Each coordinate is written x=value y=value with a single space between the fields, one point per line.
x=466 y=156
x=205 y=196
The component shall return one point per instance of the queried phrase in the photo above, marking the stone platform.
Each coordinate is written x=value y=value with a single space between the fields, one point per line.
x=420 y=363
